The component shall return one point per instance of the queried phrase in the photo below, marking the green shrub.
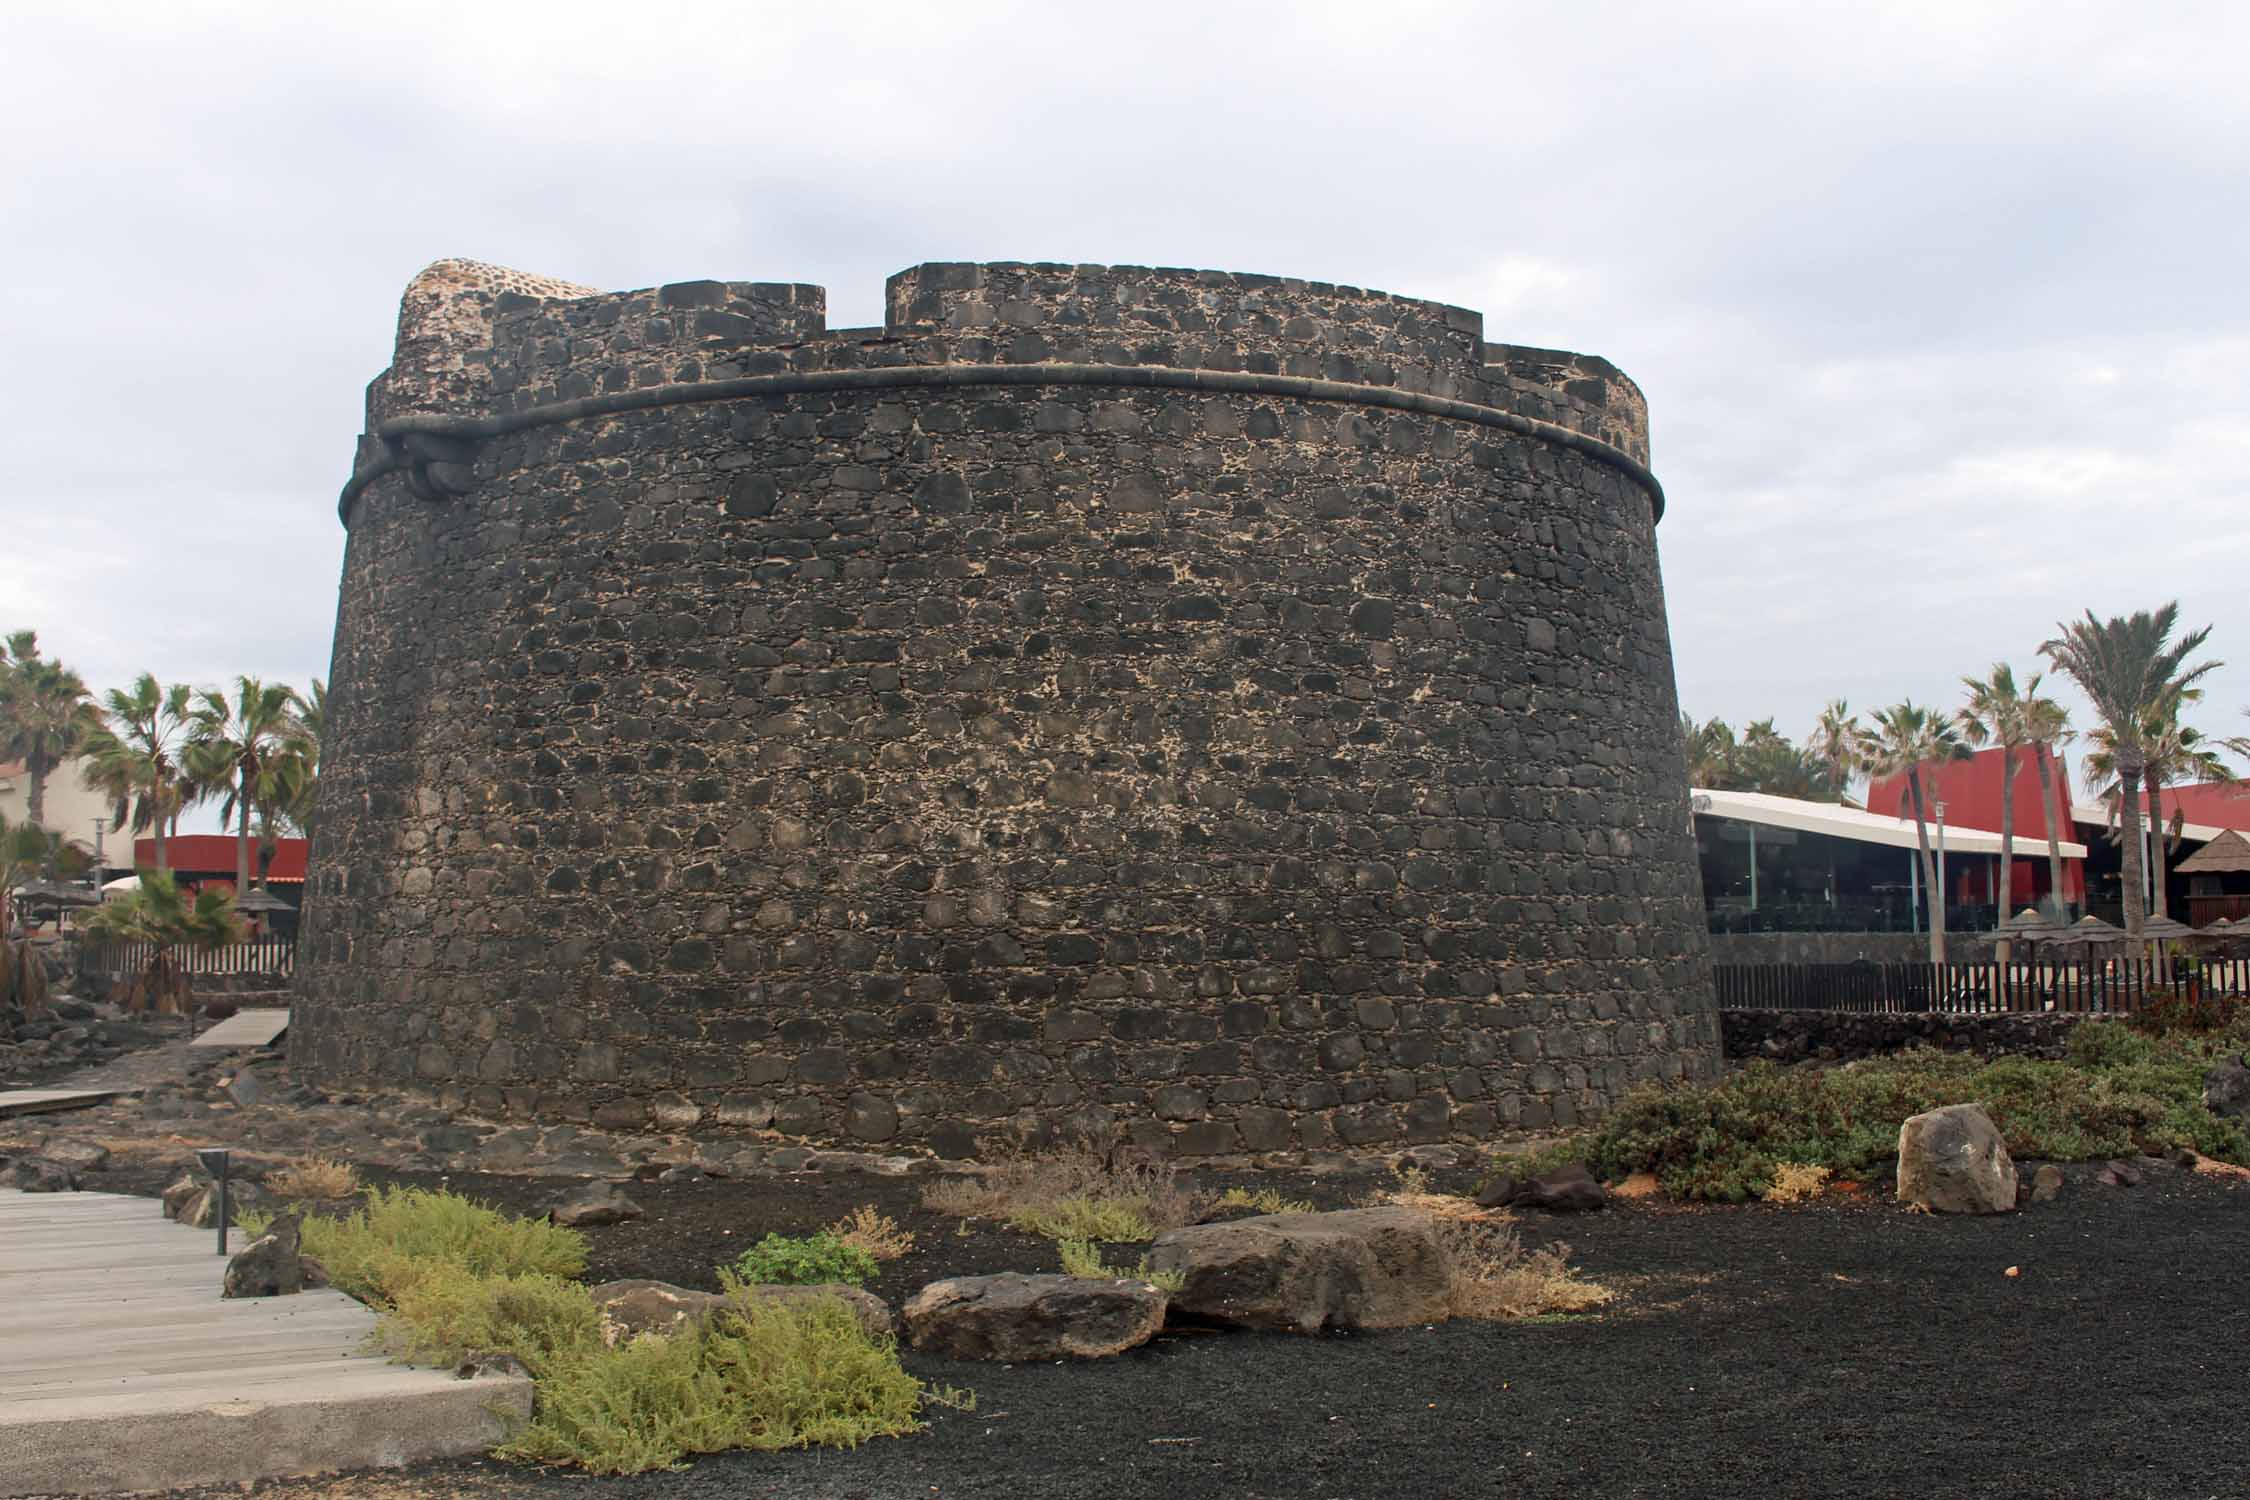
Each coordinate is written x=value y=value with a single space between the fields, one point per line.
x=377 y=1249
x=1084 y=1216
x=2120 y=1092
x=1083 y=1258
x=447 y=1314
x=764 y=1377
x=810 y=1260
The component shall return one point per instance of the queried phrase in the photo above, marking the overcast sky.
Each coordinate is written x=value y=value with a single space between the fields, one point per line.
x=1940 y=310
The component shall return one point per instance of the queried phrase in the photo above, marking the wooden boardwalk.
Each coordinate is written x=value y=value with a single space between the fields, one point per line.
x=122 y=1368
x=246 y=1028
x=39 y=1101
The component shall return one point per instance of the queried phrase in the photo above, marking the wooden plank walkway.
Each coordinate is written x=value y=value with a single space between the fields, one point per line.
x=121 y=1367
x=246 y=1028
x=39 y=1101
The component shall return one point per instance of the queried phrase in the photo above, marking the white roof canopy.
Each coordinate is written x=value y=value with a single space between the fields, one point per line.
x=2097 y=813
x=1857 y=824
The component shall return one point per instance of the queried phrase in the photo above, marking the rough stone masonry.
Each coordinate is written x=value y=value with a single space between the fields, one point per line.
x=1231 y=710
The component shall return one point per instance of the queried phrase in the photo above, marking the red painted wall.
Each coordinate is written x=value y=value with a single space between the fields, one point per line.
x=202 y=855
x=1970 y=790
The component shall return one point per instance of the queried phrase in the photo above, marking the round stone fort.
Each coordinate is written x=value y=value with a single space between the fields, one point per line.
x=1228 y=711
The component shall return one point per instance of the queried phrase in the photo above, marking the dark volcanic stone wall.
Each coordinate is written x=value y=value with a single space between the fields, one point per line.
x=905 y=762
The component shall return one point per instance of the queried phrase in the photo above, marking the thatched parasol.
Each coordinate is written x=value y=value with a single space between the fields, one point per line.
x=52 y=893
x=2088 y=932
x=2165 y=927
x=257 y=901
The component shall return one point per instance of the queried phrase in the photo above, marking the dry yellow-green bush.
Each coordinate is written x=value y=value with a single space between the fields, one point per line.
x=375 y=1250
x=1264 y=1200
x=314 y=1177
x=1794 y=1182
x=765 y=1376
x=446 y=1314
x=1494 y=1277
x=876 y=1233
x=1075 y=1192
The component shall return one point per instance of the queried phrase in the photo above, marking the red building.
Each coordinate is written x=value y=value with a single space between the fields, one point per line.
x=199 y=859
x=1970 y=790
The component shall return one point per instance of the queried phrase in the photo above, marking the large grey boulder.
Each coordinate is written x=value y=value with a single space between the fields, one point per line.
x=636 y=1306
x=1022 y=1318
x=1952 y=1161
x=596 y=1203
x=2226 y=1089
x=79 y=1156
x=35 y=1174
x=1566 y=1190
x=1355 y=1268
x=271 y=1265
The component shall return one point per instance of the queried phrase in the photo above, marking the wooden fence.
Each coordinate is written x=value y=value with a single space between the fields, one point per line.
x=271 y=954
x=2084 y=985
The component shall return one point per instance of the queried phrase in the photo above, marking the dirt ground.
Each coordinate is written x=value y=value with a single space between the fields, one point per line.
x=1844 y=1348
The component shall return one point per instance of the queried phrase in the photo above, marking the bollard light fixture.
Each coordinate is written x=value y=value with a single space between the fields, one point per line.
x=214 y=1159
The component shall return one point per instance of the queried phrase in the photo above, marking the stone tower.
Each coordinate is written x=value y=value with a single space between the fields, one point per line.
x=1229 y=709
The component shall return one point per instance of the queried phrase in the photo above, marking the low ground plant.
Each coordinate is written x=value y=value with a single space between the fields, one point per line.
x=807 y=1260
x=1076 y=1192
x=1083 y=1258
x=1794 y=1182
x=1264 y=1200
x=2119 y=1091
x=446 y=1314
x=315 y=1177
x=876 y=1233
x=1494 y=1277
x=764 y=1376
x=455 y=1279
x=400 y=1232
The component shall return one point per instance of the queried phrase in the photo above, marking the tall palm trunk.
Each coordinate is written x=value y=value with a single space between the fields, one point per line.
x=2004 y=896
x=1929 y=869
x=2051 y=813
x=2160 y=900
x=2129 y=815
x=35 y=798
x=242 y=838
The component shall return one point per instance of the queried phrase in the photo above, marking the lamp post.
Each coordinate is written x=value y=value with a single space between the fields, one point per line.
x=1939 y=893
x=214 y=1159
x=100 y=869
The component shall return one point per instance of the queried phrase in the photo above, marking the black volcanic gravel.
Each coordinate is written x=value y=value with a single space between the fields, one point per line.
x=1844 y=1349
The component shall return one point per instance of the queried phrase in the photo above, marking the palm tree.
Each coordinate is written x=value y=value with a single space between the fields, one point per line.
x=160 y=914
x=1998 y=713
x=136 y=758
x=26 y=852
x=234 y=748
x=45 y=715
x=1903 y=739
x=1712 y=754
x=2129 y=667
x=2047 y=728
x=2174 y=753
x=304 y=773
x=1835 y=743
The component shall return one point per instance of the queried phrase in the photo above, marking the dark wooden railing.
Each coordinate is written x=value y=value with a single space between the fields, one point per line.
x=2086 y=985
x=272 y=954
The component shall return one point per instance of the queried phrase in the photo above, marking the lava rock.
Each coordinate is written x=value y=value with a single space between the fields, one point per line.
x=2118 y=1174
x=1354 y=1268
x=194 y=1201
x=596 y=1203
x=1566 y=1190
x=2226 y=1089
x=2046 y=1184
x=35 y=1174
x=270 y=1265
x=79 y=1156
x=1952 y=1161
x=639 y=1306
x=1022 y=1318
